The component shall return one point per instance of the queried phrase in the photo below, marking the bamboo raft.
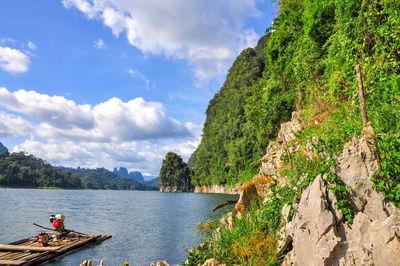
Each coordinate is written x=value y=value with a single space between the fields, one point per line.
x=30 y=251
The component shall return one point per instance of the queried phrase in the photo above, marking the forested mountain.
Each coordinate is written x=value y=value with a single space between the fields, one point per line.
x=123 y=172
x=234 y=136
x=308 y=64
x=311 y=56
x=22 y=170
x=3 y=148
x=152 y=182
x=102 y=178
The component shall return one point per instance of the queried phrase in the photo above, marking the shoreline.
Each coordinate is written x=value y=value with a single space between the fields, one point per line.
x=205 y=189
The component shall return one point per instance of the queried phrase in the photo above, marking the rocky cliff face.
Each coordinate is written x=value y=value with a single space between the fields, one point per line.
x=317 y=232
x=174 y=189
x=319 y=235
x=123 y=172
x=219 y=189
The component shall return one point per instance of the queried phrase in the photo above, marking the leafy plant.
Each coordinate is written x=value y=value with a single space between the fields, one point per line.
x=388 y=179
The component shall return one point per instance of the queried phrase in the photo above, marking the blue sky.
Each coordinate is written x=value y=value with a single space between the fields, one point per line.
x=111 y=83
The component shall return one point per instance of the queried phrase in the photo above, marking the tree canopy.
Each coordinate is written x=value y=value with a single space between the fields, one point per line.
x=21 y=170
x=174 y=172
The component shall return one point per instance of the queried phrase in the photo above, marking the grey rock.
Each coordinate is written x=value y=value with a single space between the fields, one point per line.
x=289 y=129
x=356 y=165
x=313 y=228
x=319 y=235
x=216 y=189
x=212 y=262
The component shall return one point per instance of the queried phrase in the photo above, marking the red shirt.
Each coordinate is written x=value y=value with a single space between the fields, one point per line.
x=58 y=224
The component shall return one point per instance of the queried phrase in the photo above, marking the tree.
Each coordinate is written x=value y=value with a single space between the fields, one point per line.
x=174 y=172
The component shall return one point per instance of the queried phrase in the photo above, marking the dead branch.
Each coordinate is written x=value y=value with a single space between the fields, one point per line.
x=228 y=202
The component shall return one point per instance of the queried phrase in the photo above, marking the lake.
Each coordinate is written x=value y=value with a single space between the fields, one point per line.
x=146 y=226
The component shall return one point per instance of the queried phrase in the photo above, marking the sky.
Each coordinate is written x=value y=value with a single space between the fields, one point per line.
x=117 y=83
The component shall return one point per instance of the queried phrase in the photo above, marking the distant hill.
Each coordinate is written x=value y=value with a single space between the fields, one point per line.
x=3 y=148
x=123 y=172
x=19 y=169
x=102 y=178
x=153 y=182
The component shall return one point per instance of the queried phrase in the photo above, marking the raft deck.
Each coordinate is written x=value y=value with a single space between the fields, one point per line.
x=29 y=252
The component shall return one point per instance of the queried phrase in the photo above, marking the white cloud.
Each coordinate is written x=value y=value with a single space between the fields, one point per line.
x=135 y=134
x=184 y=149
x=13 y=60
x=54 y=110
x=56 y=152
x=136 y=120
x=12 y=125
x=99 y=44
x=136 y=74
x=144 y=157
x=207 y=33
x=31 y=45
x=113 y=120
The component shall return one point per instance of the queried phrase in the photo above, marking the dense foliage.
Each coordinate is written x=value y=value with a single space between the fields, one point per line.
x=174 y=172
x=228 y=147
x=22 y=170
x=311 y=55
x=101 y=178
x=310 y=58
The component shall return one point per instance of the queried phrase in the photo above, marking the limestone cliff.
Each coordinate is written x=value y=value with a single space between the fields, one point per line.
x=317 y=234
x=219 y=189
x=320 y=237
x=174 y=189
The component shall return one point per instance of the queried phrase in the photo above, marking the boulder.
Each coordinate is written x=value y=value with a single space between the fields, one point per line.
x=289 y=129
x=271 y=161
x=212 y=262
x=313 y=228
x=356 y=165
x=162 y=263
x=373 y=242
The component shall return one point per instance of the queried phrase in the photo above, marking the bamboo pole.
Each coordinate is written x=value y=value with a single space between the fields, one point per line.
x=11 y=262
x=367 y=126
x=30 y=248
x=361 y=95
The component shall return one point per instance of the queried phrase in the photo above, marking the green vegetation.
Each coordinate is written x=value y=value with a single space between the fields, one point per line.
x=174 y=172
x=228 y=148
x=310 y=57
x=101 y=178
x=388 y=180
x=22 y=170
x=27 y=171
x=309 y=63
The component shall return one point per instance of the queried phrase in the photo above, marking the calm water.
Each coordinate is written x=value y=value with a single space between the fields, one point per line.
x=146 y=226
